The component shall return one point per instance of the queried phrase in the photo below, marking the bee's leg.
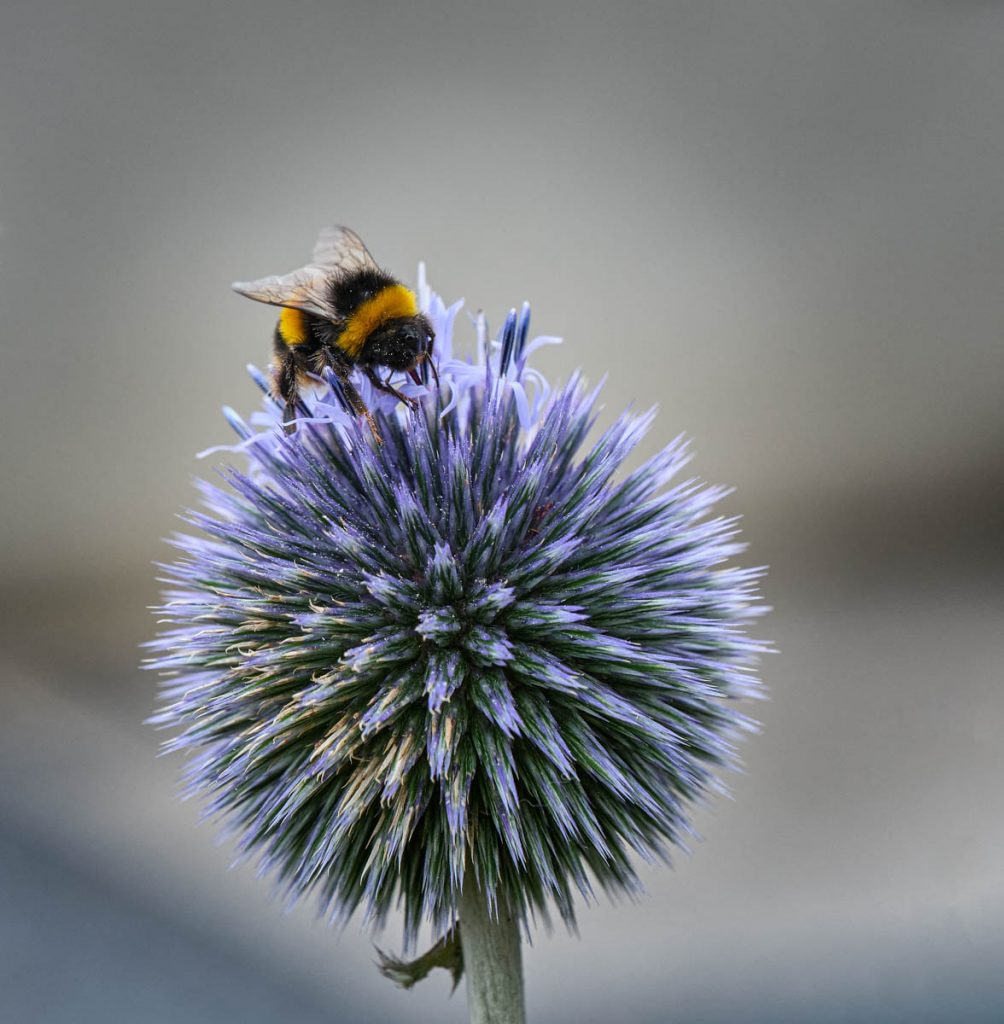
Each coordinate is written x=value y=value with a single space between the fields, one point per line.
x=424 y=359
x=388 y=388
x=341 y=367
x=284 y=384
x=355 y=400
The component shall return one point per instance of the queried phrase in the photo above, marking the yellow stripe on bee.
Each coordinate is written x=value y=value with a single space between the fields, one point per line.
x=293 y=327
x=388 y=304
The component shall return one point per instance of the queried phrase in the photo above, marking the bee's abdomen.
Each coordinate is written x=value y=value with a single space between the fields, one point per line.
x=293 y=328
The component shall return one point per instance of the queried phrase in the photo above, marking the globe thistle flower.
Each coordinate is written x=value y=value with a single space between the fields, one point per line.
x=476 y=657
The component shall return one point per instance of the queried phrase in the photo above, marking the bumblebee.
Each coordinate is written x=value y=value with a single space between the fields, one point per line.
x=342 y=312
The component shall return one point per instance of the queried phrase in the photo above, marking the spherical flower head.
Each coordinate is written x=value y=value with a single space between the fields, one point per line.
x=476 y=646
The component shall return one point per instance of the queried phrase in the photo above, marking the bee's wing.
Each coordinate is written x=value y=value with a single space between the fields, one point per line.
x=341 y=249
x=338 y=250
x=307 y=289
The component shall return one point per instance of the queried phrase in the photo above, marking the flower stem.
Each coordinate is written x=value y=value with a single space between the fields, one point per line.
x=492 y=960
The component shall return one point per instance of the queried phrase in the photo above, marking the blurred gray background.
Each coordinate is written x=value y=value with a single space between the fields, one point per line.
x=783 y=222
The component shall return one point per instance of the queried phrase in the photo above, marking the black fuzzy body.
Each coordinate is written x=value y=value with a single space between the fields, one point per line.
x=398 y=344
x=294 y=363
x=349 y=291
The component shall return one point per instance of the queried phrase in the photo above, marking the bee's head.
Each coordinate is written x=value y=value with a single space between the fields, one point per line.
x=398 y=343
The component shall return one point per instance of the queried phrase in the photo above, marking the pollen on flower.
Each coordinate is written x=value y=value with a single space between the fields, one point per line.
x=478 y=646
